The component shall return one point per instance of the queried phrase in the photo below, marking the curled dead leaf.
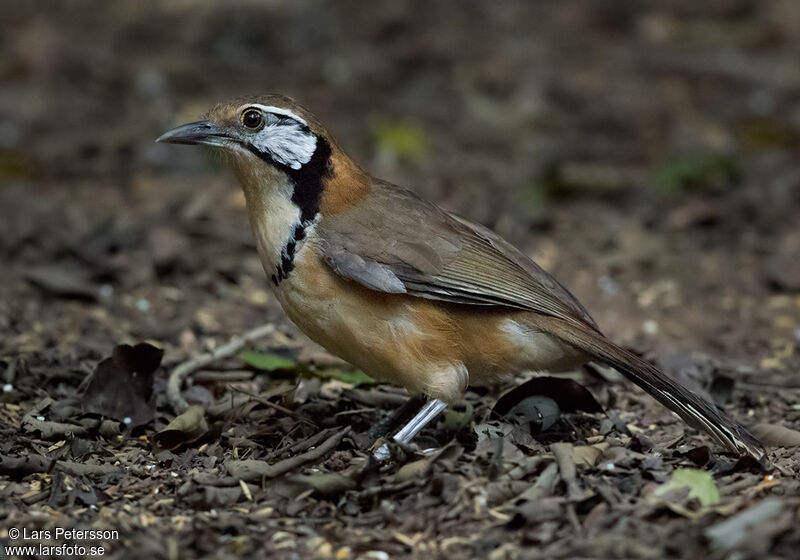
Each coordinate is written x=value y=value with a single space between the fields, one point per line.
x=415 y=470
x=184 y=429
x=568 y=394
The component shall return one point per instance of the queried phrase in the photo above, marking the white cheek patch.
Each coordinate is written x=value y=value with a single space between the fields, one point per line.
x=287 y=144
x=287 y=140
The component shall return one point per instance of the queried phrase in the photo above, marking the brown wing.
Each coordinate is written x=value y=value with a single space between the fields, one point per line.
x=396 y=242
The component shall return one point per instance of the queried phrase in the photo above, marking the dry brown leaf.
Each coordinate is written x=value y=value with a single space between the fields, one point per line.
x=588 y=454
x=184 y=429
x=776 y=435
x=121 y=386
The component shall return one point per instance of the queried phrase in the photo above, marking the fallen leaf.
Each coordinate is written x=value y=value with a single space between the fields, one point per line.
x=121 y=387
x=352 y=377
x=455 y=419
x=544 y=486
x=273 y=362
x=269 y=362
x=568 y=394
x=420 y=468
x=566 y=468
x=587 y=455
x=776 y=435
x=184 y=429
x=700 y=484
x=415 y=470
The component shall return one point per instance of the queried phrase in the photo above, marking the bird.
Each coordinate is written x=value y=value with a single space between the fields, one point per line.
x=406 y=291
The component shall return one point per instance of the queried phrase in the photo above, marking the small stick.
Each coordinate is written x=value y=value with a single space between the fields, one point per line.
x=182 y=371
x=252 y=470
x=30 y=464
x=226 y=376
x=268 y=403
x=315 y=454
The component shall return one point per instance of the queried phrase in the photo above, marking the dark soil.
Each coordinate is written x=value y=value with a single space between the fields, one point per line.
x=646 y=156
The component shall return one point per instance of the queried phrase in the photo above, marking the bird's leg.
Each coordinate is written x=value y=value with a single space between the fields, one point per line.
x=397 y=417
x=427 y=413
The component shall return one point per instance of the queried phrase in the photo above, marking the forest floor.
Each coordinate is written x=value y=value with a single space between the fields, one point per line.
x=648 y=159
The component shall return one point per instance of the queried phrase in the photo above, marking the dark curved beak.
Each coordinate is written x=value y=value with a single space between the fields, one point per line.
x=200 y=132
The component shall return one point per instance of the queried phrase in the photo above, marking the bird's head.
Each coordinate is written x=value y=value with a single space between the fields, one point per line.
x=272 y=141
x=273 y=128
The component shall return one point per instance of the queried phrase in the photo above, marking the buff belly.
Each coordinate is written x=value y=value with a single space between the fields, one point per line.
x=426 y=346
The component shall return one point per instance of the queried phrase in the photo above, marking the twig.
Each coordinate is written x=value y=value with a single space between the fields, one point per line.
x=30 y=464
x=251 y=470
x=310 y=442
x=315 y=454
x=19 y=467
x=268 y=403
x=232 y=376
x=181 y=372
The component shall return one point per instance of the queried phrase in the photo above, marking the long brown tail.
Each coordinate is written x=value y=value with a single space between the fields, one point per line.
x=696 y=411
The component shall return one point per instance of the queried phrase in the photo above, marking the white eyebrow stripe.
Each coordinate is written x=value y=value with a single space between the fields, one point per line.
x=279 y=111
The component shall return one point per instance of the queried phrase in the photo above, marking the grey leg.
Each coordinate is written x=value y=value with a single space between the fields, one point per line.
x=428 y=412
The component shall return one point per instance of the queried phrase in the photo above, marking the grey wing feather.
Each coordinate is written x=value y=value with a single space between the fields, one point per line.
x=371 y=274
x=401 y=238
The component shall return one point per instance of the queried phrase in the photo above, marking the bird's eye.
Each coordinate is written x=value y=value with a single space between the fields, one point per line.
x=252 y=119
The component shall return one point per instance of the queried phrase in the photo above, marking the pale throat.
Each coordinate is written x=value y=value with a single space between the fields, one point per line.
x=274 y=219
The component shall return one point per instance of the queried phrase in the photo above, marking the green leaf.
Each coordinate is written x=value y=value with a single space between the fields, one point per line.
x=457 y=419
x=403 y=139
x=268 y=362
x=695 y=171
x=700 y=484
x=352 y=377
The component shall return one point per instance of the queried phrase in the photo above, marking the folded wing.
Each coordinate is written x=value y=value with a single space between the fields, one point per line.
x=397 y=242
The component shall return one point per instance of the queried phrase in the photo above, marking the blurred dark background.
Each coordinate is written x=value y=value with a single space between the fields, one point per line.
x=647 y=154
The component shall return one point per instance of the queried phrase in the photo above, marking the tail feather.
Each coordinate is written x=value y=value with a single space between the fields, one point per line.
x=696 y=411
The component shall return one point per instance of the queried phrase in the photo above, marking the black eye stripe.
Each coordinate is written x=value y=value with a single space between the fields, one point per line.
x=275 y=118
